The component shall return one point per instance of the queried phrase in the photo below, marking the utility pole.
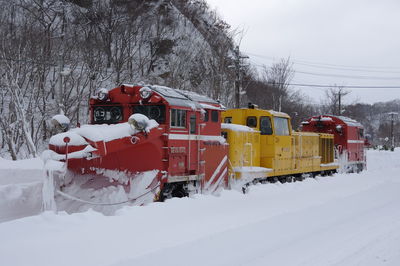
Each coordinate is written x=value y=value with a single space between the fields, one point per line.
x=340 y=102
x=238 y=65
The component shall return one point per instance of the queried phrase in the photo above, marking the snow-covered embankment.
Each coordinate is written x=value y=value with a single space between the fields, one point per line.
x=20 y=188
x=349 y=219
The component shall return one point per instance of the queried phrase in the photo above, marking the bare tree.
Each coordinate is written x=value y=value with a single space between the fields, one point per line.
x=333 y=103
x=271 y=90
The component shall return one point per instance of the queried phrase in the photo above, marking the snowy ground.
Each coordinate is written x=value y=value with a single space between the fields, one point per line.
x=341 y=220
x=20 y=188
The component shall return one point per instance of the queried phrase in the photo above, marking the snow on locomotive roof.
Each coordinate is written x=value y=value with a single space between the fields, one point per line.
x=175 y=98
x=197 y=97
x=168 y=92
x=211 y=107
x=349 y=121
x=182 y=97
x=323 y=118
x=276 y=113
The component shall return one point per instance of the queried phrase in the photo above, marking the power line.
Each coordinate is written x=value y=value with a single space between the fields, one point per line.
x=339 y=75
x=347 y=76
x=327 y=64
x=332 y=86
x=348 y=69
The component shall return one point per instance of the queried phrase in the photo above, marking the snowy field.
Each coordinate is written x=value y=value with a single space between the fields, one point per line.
x=349 y=219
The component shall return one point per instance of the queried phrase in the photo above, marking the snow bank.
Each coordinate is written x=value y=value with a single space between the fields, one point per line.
x=20 y=200
x=20 y=188
x=34 y=163
x=347 y=219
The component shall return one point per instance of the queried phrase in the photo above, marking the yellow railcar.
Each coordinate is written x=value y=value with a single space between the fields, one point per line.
x=264 y=146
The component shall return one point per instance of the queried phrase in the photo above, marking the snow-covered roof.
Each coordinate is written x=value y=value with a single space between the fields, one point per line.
x=322 y=118
x=275 y=113
x=182 y=98
x=349 y=121
x=328 y=118
x=197 y=97
x=211 y=107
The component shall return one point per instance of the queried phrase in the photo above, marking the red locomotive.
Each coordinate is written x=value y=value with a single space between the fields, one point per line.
x=172 y=143
x=348 y=137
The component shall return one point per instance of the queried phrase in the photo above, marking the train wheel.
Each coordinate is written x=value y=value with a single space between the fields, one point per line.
x=173 y=190
x=273 y=179
x=245 y=189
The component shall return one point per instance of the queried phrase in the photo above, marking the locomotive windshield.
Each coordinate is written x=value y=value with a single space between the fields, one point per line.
x=156 y=112
x=107 y=114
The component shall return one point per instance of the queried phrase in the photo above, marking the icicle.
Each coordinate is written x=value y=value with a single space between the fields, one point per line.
x=48 y=200
x=54 y=170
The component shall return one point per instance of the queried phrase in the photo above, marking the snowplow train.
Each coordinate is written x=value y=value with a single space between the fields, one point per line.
x=151 y=143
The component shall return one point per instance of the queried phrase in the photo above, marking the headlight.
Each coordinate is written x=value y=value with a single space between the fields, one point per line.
x=138 y=122
x=102 y=94
x=99 y=114
x=60 y=122
x=145 y=92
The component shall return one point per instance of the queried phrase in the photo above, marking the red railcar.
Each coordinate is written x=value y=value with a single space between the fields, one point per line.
x=348 y=137
x=178 y=142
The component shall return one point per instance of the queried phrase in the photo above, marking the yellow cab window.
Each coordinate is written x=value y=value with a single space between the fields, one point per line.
x=281 y=125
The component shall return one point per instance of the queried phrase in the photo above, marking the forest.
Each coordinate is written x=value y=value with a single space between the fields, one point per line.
x=55 y=54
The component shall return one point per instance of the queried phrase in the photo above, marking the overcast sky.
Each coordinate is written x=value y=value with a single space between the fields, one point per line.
x=354 y=42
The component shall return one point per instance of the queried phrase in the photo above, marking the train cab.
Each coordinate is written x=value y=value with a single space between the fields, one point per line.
x=191 y=147
x=281 y=149
x=349 y=139
x=275 y=135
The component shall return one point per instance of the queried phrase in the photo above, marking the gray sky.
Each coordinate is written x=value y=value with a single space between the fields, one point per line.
x=354 y=42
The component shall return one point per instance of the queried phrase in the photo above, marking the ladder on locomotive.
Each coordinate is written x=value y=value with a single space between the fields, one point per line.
x=201 y=163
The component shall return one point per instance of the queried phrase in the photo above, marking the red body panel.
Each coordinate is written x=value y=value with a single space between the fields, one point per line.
x=348 y=134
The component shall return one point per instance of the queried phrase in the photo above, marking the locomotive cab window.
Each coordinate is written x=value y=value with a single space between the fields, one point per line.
x=214 y=116
x=107 y=114
x=192 y=124
x=228 y=120
x=251 y=121
x=281 y=125
x=361 y=133
x=265 y=125
x=206 y=116
x=178 y=118
x=156 y=112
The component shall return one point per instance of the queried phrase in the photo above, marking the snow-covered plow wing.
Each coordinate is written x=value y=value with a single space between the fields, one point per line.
x=102 y=166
